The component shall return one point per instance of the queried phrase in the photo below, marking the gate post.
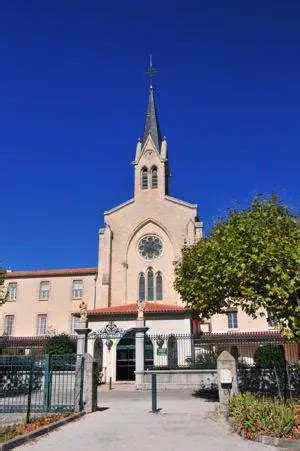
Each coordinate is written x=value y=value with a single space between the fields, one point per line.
x=227 y=378
x=82 y=330
x=140 y=331
x=90 y=378
x=78 y=386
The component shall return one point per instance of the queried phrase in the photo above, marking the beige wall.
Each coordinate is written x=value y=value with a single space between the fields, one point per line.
x=219 y=323
x=58 y=308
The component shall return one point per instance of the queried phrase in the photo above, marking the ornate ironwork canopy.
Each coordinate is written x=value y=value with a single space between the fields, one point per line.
x=110 y=331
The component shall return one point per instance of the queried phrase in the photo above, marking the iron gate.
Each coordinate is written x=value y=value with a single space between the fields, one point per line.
x=43 y=383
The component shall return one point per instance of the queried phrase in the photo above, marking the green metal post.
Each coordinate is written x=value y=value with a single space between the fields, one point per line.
x=29 y=390
x=47 y=383
x=81 y=385
x=154 y=393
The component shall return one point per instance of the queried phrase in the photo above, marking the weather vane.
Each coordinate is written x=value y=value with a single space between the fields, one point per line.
x=151 y=71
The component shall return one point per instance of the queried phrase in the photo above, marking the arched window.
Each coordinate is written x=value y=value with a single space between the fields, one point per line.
x=159 y=288
x=150 y=285
x=142 y=285
x=144 y=178
x=154 y=180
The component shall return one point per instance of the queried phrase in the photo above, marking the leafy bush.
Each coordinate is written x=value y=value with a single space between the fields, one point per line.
x=258 y=416
x=206 y=360
x=60 y=344
x=269 y=355
x=3 y=344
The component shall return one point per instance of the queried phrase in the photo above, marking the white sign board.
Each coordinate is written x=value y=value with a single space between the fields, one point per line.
x=225 y=376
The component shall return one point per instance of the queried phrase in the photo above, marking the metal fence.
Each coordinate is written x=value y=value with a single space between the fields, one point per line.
x=41 y=383
x=13 y=346
x=173 y=352
x=274 y=380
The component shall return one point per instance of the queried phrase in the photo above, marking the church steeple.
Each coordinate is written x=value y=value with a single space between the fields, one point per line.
x=151 y=156
x=152 y=127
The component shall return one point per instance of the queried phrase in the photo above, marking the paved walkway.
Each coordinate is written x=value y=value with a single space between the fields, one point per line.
x=185 y=422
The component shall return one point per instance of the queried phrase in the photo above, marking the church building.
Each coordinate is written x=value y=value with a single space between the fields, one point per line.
x=139 y=247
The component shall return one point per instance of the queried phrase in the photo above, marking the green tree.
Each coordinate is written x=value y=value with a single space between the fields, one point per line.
x=269 y=355
x=60 y=344
x=3 y=292
x=250 y=259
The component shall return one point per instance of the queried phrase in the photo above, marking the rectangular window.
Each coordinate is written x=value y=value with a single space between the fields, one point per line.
x=75 y=322
x=42 y=325
x=77 y=289
x=9 y=324
x=12 y=291
x=232 y=320
x=44 y=291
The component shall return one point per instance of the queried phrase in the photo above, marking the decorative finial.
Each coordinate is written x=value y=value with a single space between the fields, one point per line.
x=151 y=71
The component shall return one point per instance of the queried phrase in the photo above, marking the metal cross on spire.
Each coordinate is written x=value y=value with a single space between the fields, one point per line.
x=151 y=71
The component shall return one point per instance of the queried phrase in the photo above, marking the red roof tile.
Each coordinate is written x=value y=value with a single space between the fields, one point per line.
x=51 y=272
x=150 y=307
x=240 y=337
x=270 y=333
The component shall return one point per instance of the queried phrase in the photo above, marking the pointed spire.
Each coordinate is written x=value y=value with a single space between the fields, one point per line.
x=151 y=123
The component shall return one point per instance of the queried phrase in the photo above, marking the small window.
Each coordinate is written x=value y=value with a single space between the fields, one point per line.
x=12 y=291
x=159 y=288
x=44 y=291
x=9 y=324
x=232 y=320
x=42 y=325
x=150 y=285
x=144 y=181
x=154 y=179
x=74 y=324
x=142 y=284
x=77 y=289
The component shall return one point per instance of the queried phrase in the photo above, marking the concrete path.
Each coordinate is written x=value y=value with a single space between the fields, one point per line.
x=184 y=423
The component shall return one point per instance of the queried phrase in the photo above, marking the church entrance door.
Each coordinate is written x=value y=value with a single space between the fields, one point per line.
x=126 y=356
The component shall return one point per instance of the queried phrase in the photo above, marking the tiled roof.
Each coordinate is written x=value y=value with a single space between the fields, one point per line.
x=249 y=336
x=271 y=333
x=150 y=307
x=51 y=272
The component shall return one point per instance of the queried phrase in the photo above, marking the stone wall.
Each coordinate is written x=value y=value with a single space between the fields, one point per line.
x=184 y=379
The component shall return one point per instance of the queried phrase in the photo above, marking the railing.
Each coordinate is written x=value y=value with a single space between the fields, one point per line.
x=25 y=345
x=175 y=352
x=195 y=351
x=40 y=383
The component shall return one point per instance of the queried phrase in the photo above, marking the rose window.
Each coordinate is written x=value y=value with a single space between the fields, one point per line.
x=150 y=247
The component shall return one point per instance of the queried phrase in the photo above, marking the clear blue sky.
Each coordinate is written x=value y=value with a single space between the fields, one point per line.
x=73 y=96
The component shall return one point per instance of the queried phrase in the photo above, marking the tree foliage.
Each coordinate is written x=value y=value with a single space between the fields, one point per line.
x=251 y=260
x=60 y=344
x=3 y=292
x=269 y=355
